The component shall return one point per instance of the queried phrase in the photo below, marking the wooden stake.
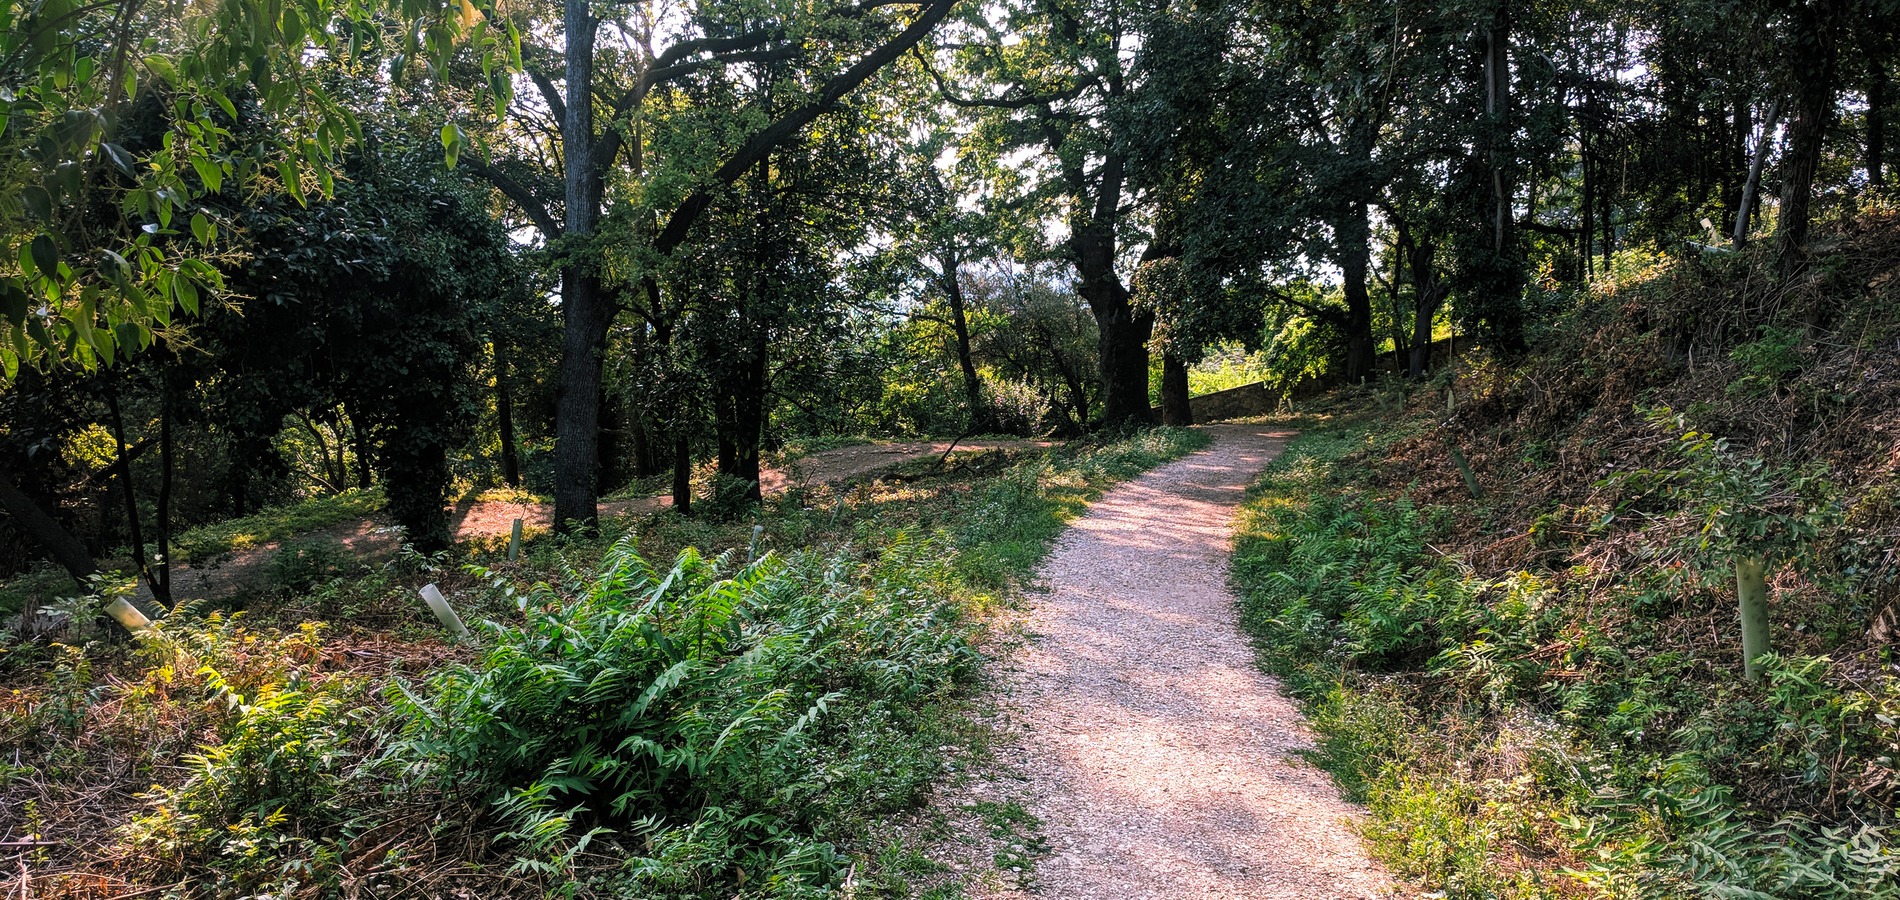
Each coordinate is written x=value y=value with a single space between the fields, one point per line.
x=514 y=542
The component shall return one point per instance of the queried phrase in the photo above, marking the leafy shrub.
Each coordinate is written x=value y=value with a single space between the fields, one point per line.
x=702 y=710
x=261 y=804
x=1768 y=361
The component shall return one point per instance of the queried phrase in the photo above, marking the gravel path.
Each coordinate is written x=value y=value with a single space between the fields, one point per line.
x=1160 y=760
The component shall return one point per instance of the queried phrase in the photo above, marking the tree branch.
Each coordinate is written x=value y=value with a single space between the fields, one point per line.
x=553 y=97
x=764 y=141
x=531 y=206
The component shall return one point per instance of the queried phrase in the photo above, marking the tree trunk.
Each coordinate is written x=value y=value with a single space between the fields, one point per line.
x=1354 y=238
x=1750 y=188
x=682 y=475
x=1429 y=295
x=585 y=313
x=739 y=415
x=124 y=464
x=1176 y=409
x=65 y=549
x=1122 y=333
x=1876 y=124
x=359 y=434
x=1497 y=107
x=1122 y=341
x=162 y=567
x=1502 y=308
x=577 y=402
x=505 y=419
x=1818 y=37
x=1586 y=256
x=979 y=417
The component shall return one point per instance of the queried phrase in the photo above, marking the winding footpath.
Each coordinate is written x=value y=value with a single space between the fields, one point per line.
x=1160 y=760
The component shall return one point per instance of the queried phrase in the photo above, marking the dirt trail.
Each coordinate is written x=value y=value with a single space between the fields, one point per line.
x=495 y=518
x=1161 y=761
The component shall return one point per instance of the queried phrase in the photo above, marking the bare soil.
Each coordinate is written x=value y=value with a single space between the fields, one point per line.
x=1137 y=726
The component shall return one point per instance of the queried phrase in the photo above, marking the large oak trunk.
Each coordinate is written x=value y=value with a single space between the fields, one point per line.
x=1123 y=343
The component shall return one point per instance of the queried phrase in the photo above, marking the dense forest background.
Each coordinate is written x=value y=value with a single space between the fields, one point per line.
x=262 y=254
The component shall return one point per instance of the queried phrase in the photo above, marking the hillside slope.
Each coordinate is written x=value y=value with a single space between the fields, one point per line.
x=1540 y=690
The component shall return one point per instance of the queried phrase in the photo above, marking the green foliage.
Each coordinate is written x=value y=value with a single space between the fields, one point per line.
x=104 y=233
x=277 y=523
x=1474 y=715
x=303 y=563
x=1768 y=361
x=695 y=708
x=1739 y=505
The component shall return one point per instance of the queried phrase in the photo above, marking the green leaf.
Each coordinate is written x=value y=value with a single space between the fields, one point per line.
x=208 y=172
x=292 y=181
x=38 y=203
x=14 y=304
x=46 y=256
x=163 y=68
x=187 y=294
x=451 y=143
x=121 y=159
x=202 y=229
x=129 y=336
x=223 y=102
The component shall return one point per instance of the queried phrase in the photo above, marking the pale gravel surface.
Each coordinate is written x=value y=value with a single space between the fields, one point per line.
x=1161 y=761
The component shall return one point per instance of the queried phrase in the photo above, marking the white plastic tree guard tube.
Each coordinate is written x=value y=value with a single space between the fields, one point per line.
x=439 y=604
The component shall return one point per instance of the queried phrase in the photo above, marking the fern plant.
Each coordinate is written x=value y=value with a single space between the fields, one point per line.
x=686 y=712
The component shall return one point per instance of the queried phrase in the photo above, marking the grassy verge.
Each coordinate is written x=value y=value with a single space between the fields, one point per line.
x=697 y=726
x=1553 y=733
x=277 y=523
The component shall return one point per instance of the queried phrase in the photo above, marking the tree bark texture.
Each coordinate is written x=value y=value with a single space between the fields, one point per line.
x=1354 y=238
x=1122 y=332
x=585 y=312
x=1429 y=295
x=739 y=414
x=1751 y=188
x=505 y=419
x=1176 y=408
x=1816 y=63
x=979 y=418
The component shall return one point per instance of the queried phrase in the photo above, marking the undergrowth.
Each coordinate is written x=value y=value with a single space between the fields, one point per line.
x=1552 y=730
x=1531 y=670
x=707 y=727
x=279 y=522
